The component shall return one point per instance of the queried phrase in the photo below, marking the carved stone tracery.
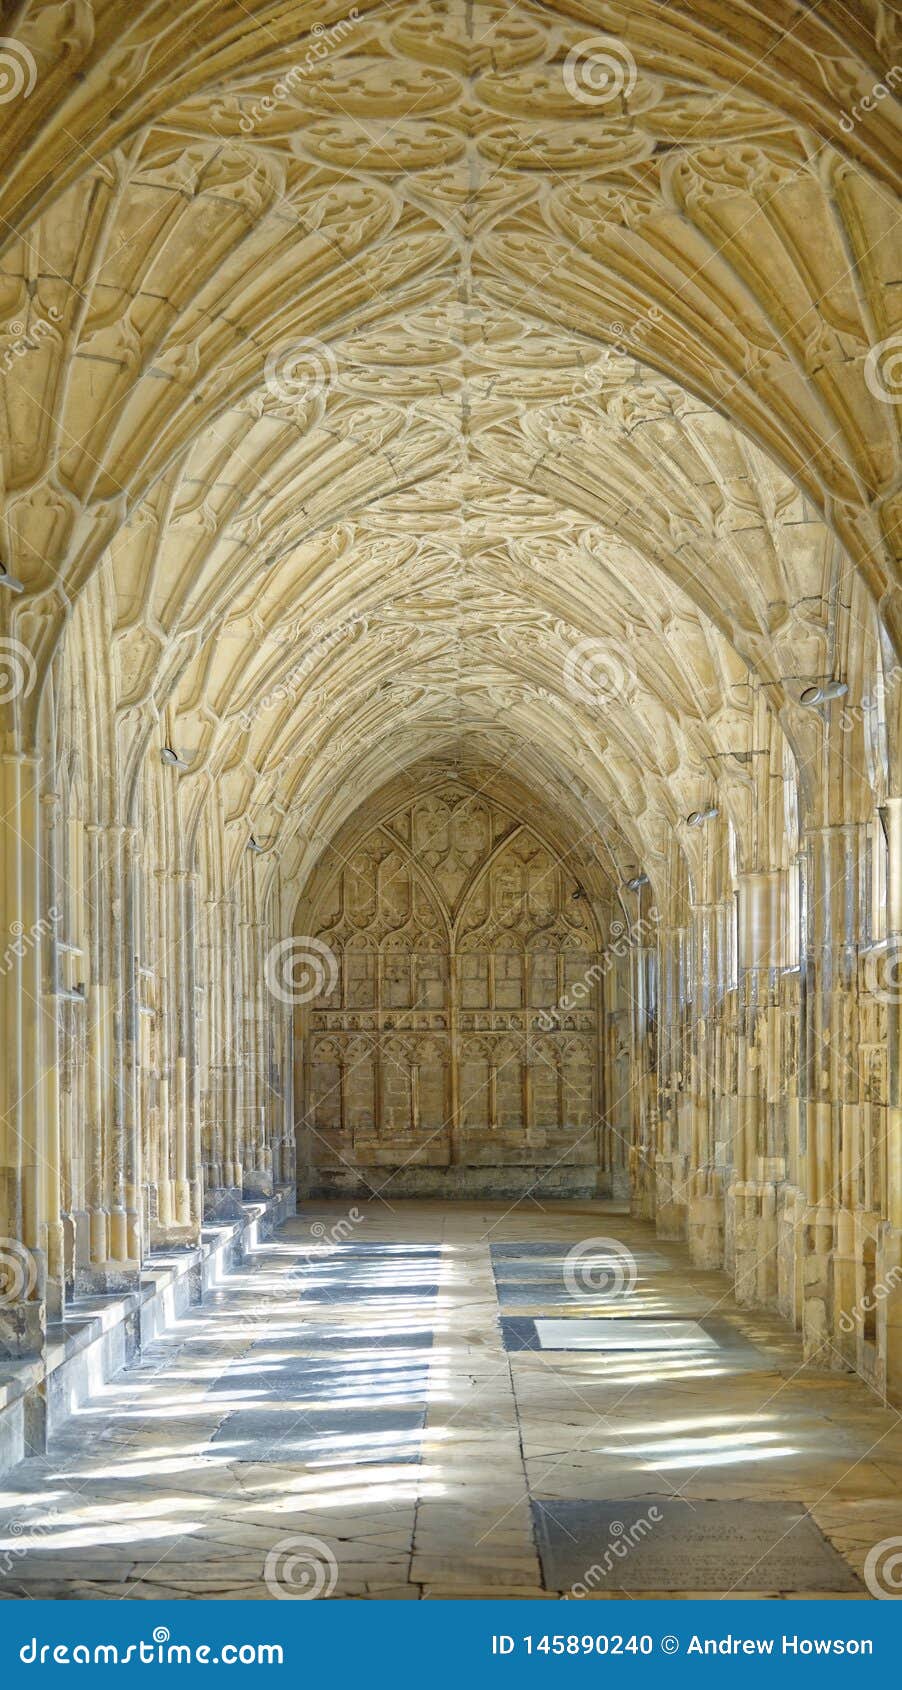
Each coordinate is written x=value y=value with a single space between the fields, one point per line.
x=457 y=933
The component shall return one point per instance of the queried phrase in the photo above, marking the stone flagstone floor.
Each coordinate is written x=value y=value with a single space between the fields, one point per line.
x=345 y=1418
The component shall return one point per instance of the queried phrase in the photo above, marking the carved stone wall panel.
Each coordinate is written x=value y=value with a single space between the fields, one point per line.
x=454 y=925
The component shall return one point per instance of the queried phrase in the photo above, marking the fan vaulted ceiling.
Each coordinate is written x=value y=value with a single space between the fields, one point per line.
x=453 y=381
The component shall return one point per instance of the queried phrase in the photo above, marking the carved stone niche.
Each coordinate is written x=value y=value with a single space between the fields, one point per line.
x=457 y=933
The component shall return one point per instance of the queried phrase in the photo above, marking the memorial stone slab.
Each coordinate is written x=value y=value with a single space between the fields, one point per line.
x=674 y=1544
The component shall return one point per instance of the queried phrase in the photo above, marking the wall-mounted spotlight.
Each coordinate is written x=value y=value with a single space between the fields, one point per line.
x=823 y=694
x=579 y=893
x=253 y=846
x=9 y=581
x=699 y=817
x=167 y=755
x=637 y=881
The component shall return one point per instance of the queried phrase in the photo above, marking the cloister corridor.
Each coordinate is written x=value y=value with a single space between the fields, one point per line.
x=366 y=1400
x=450 y=800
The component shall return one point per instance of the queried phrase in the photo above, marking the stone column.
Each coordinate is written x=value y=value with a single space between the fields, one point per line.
x=159 y=1170
x=109 y=1266
x=760 y=1160
x=22 y=1094
x=258 y=1171
x=222 y=1172
x=835 y=908
x=889 y=1251
x=711 y=940
x=231 y=1049
x=132 y=1162
x=179 y=1200
x=285 y=1157
x=672 y=1158
x=52 y=905
x=644 y=1026
x=192 y=1162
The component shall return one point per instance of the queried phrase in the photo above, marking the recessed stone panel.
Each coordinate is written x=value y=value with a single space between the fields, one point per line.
x=337 y=1436
x=614 y=1334
x=677 y=1544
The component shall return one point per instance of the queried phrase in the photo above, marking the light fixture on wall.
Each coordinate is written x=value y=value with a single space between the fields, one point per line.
x=823 y=693
x=9 y=581
x=699 y=817
x=637 y=881
x=167 y=755
x=816 y=689
x=580 y=892
x=253 y=846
